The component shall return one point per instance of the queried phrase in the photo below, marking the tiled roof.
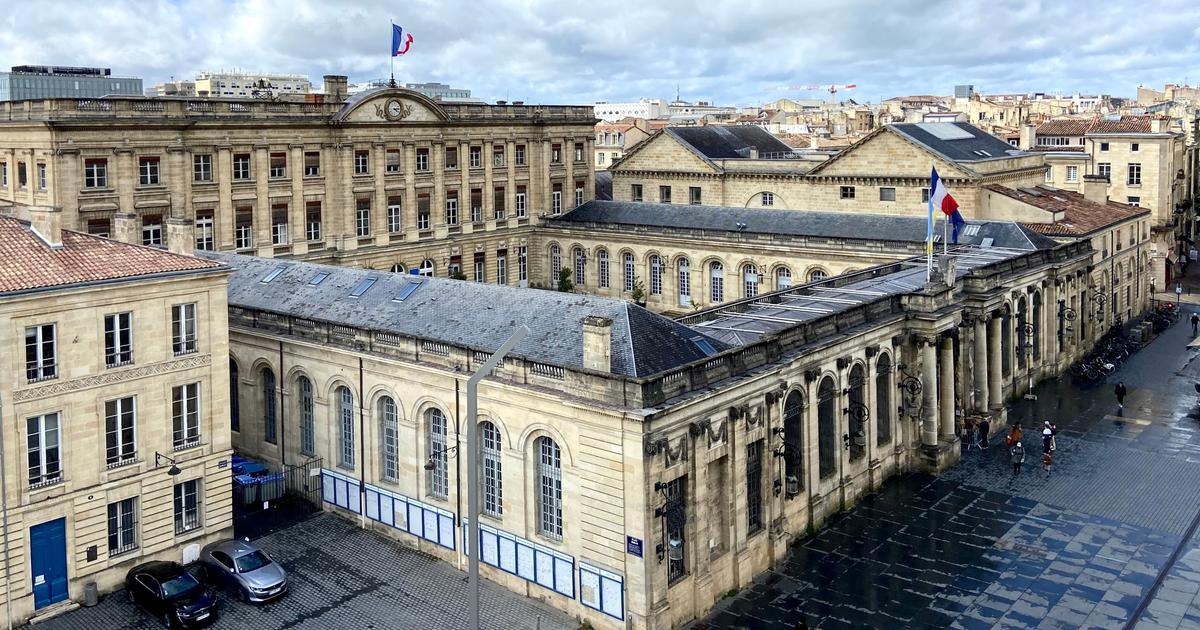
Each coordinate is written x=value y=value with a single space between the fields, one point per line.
x=1065 y=127
x=719 y=142
x=1067 y=148
x=1124 y=124
x=29 y=264
x=1081 y=217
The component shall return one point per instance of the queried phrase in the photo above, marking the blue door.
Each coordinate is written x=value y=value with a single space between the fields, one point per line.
x=48 y=562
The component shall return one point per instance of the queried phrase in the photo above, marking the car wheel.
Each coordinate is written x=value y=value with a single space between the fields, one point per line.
x=244 y=595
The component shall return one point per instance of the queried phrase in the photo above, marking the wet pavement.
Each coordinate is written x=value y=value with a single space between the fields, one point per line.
x=1098 y=543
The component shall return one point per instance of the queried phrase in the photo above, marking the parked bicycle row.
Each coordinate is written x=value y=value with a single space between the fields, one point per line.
x=1112 y=350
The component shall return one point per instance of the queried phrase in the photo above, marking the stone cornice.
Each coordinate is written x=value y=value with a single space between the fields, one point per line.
x=113 y=376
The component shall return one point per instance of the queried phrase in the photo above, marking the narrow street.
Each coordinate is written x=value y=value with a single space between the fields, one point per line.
x=1097 y=544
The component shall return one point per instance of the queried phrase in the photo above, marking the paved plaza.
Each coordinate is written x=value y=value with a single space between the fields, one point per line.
x=343 y=577
x=1097 y=544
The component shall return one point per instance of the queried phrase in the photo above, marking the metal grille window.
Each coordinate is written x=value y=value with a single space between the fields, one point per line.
x=555 y=263
x=45 y=467
x=602 y=267
x=716 y=277
x=312 y=220
x=656 y=275
x=490 y=447
x=685 y=282
x=580 y=267
x=185 y=416
x=345 y=411
x=187 y=506
x=95 y=173
x=307 y=422
x=523 y=263
x=394 y=211
x=152 y=231
x=120 y=431
x=628 y=271
x=389 y=432
x=362 y=218
x=674 y=522
x=269 y=408
x=362 y=162
x=437 y=479
x=202 y=168
x=148 y=171
x=118 y=339
x=749 y=281
x=549 y=476
x=754 y=520
x=519 y=202
x=40 y=353
x=122 y=526
x=883 y=400
x=452 y=210
x=241 y=166
x=205 y=240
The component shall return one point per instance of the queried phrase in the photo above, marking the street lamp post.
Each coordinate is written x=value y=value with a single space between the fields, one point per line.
x=473 y=463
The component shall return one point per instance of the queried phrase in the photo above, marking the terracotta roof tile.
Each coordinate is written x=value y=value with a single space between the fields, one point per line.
x=28 y=263
x=1065 y=127
x=1126 y=124
x=1081 y=217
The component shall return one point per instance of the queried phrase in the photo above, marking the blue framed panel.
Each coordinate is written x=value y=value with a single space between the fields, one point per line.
x=341 y=490
x=525 y=559
x=602 y=590
x=392 y=509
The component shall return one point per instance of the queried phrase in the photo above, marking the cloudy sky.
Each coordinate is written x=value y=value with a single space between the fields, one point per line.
x=740 y=52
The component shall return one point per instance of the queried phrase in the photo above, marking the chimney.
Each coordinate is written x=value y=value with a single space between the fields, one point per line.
x=1157 y=125
x=335 y=87
x=125 y=228
x=180 y=239
x=597 y=343
x=46 y=223
x=753 y=153
x=1095 y=188
x=1028 y=137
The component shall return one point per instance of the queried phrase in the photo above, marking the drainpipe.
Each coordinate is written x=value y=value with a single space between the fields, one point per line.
x=4 y=522
x=362 y=449
x=458 y=469
x=282 y=411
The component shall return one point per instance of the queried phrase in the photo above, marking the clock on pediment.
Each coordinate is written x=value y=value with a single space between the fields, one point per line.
x=393 y=109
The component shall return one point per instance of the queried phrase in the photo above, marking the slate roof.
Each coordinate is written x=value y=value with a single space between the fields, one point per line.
x=720 y=142
x=467 y=314
x=800 y=223
x=980 y=147
x=1082 y=217
x=604 y=186
x=29 y=264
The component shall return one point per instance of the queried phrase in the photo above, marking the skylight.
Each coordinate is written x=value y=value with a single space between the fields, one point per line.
x=704 y=346
x=362 y=287
x=271 y=276
x=319 y=278
x=407 y=290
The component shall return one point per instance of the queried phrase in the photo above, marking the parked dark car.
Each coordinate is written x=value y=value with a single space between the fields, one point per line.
x=168 y=591
x=246 y=569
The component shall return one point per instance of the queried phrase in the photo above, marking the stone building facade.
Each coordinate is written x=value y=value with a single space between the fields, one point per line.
x=116 y=355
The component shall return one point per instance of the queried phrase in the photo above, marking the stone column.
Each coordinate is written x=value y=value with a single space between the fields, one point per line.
x=410 y=191
x=487 y=202
x=344 y=206
x=179 y=179
x=125 y=180
x=980 y=364
x=464 y=188
x=929 y=393
x=297 y=233
x=568 y=200
x=510 y=186
x=262 y=205
x=995 y=374
x=379 y=199
x=224 y=220
x=437 y=161
x=589 y=155
x=946 y=387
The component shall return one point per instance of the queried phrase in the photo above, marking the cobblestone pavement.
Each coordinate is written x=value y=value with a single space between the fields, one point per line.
x=979 y=547
x=345 y=577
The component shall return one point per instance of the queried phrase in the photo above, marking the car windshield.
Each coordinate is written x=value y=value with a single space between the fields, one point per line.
x=251 y=561
x=179 y=585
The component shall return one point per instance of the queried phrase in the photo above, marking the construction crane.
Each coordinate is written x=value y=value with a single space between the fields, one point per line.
x=832 y=89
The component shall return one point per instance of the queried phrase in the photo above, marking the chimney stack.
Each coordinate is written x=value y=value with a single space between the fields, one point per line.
x=180 y=239
x=1095 y=188
x=753 y=153
x=597 y=343
x=1157 y=125
x=1028 y=137
x=125 y=228
x=336 y=86
x=46 y=223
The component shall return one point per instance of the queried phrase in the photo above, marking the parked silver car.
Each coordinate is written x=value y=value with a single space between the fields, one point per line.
x=245 y=568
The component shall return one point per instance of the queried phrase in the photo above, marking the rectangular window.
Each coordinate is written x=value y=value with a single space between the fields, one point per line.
x=312 y=220
x=423 y=211
x=519 y=200
x=118 y=339
x=578 y=151
x=394 y=213
x=887 y=193
x=183 y=329
x=676 y=495
x=122 y=526
x=22 y=175
x=523 y=263
x=422 y=160
x=1049 y=174
x=148 y=171
x=279 y=224
x=480 y=267
x=312 y=163
x=924 y=195
x=768 y=199
x=1104 y=169
x=42 y=447
x=393 y=161
x=1133 y=147
x=278 y=165
x=520 y=155
x=187 y=506
x=556 y=199
x=202 y=167
x=1133 y=201
x=3 y=174
x=185 y=416
x=41 y=176
x=205 y=240
x=754 y=497
x=502 y=267
x=476 y=205
x=362 y=162
x=152 y=230
x=98 y=227
x=847 y=192
x=475 y=154
x=452 y=208
x=451 y=158
x=95 y=173
x=664 y=194
x=362 y=218
x=578 y=194
x=556 y=154
x=498 y=203
x=243 y=234
x=694 y=195
x=498 y=155
x=1072 y=173
x=1135 y=174
x=241 y=166
x=120 y=431
x=635 y=192
x=1103 y=146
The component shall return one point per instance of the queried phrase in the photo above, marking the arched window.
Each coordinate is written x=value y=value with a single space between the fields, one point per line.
x=555 y=264
x=549 y=490
x=627 y=264
x=858 y=406
x=602 y=267
x=426 y=268
x=685 y=283
x=883 y=400
x=817 y=274
x=749 y=280
x=827 y=428
x=1022 y=318
x=490 y=446
x=345 y=412
x=783 y=278
x=389 y=439
x=307 y=423
x=716 y=277
x=437 y=478
x=580 y=266
x=397 y=268
x=656 y=274
x=269 y=415
x=235 y=416
x=1037 y=328
x=1006 y=346
x=793 y=431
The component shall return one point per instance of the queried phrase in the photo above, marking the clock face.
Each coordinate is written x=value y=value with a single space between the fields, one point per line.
x=393 y=108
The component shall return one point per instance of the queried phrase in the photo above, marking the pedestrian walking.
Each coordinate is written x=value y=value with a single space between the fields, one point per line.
x=1195 y=324
x=985 y=427
x=968 y=433
x=1120 y=391
x=1014 y=436
x=1047 y=462
x=1017 y=456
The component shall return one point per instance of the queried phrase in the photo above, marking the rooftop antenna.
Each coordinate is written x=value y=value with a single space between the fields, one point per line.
x=677 y=92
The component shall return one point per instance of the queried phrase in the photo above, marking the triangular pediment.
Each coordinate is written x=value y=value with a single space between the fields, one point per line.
x=390 y=105
x=885 y=152
x=663 y=152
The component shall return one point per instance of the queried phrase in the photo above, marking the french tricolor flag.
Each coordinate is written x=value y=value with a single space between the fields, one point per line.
x=941 y=199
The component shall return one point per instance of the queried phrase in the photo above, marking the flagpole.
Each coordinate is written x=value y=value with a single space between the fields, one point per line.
x=392 y=59
x=946 y=235
x=929 y=237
